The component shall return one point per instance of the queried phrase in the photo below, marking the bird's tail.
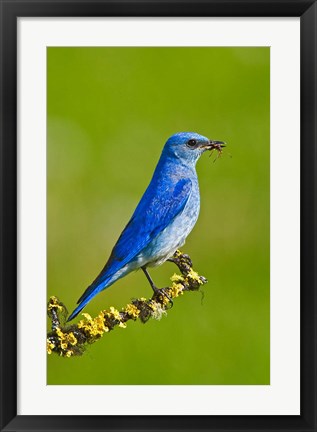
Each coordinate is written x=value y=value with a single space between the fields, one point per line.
x=79 y=308
x=90 y=292
x=108 y=275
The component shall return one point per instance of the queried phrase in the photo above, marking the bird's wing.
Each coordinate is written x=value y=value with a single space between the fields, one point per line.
x=150 y=218
x=156 y=210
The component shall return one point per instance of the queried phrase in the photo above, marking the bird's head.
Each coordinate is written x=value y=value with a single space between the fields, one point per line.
x=189 y=146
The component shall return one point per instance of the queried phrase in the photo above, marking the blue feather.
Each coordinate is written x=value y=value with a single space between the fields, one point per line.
x=154 y=212
x=165 y=215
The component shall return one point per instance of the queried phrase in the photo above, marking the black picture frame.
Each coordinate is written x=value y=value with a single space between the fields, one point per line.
x=10 y=11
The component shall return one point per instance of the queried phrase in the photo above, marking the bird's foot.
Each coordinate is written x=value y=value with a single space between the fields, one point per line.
x=161 y=292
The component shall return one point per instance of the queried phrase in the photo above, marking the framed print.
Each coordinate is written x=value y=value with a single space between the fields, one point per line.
x=94 y=95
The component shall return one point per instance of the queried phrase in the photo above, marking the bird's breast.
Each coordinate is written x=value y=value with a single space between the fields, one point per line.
x=174 y=235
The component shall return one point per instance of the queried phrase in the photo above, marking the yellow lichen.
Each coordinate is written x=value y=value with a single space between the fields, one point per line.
x=94 y=327
x=72 y=339
x=164 y=299
x=65 y=343
x=114 y=313
x=49 y=346
x=157 y=310
x=176 y=289
x=132 y=310
x=54 y=304
x=176 y=278
x=194 y=276
x=60 y=334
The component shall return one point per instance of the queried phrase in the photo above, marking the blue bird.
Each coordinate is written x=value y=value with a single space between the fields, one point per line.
x=164 y=217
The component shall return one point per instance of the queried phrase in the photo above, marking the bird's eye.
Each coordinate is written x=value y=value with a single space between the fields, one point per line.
x=191 y=143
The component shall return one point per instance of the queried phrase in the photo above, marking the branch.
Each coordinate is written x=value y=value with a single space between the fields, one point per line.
x=69 y=340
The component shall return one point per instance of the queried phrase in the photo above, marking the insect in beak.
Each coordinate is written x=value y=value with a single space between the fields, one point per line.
x=216 y=145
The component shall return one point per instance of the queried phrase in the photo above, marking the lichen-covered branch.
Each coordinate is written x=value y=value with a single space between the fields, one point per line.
x=69 y=340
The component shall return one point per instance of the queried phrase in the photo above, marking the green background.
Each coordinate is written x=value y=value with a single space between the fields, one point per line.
x=110 y=111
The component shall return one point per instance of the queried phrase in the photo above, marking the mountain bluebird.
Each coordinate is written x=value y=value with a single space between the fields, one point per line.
x=164 y=217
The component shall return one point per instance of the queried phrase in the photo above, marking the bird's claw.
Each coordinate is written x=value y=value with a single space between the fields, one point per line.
x=162 y=291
